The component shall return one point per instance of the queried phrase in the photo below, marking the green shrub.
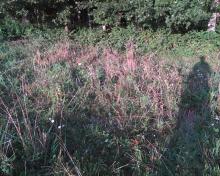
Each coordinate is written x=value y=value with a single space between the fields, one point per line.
x=185 y=15
x=11 y=28
x=39 y=12
x=190 y=44
x=178 y=16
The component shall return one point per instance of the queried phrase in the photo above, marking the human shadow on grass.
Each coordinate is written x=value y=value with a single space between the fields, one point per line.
x=184 y=153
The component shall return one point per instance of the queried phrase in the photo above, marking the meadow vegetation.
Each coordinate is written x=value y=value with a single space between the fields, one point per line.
x=107 y=108
x=139 y=99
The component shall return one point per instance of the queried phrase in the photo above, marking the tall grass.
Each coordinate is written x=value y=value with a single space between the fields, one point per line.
x=68 y=109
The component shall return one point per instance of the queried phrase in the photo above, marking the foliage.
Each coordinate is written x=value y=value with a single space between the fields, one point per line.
x=179 y=45
x=185 y=15
x=39 y=12
x=12 y=29
x=177 y=16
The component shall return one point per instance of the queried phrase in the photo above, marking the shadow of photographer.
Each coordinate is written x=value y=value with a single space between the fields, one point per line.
x=184 y=153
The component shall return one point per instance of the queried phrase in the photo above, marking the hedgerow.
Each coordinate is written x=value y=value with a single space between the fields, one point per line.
x=178 y=16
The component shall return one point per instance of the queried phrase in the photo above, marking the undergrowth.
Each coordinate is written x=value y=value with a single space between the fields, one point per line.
x=190 y=44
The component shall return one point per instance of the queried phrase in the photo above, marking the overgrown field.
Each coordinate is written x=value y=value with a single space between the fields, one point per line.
x=92 y=104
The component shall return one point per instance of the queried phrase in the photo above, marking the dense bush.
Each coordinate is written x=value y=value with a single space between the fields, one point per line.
x=184 y=15
x=40 y=12
x=12 y=29
x=187 y=45
x=175 y=15
x=178 y=16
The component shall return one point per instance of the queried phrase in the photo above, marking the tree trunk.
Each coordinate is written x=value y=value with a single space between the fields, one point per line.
x=215 y=17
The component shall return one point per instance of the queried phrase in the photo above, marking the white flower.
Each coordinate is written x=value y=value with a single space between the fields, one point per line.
x=51 y=120
x=212 y=124
x=79 y=63
x=217 y=118
x=104 y=27
x=60 y=126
